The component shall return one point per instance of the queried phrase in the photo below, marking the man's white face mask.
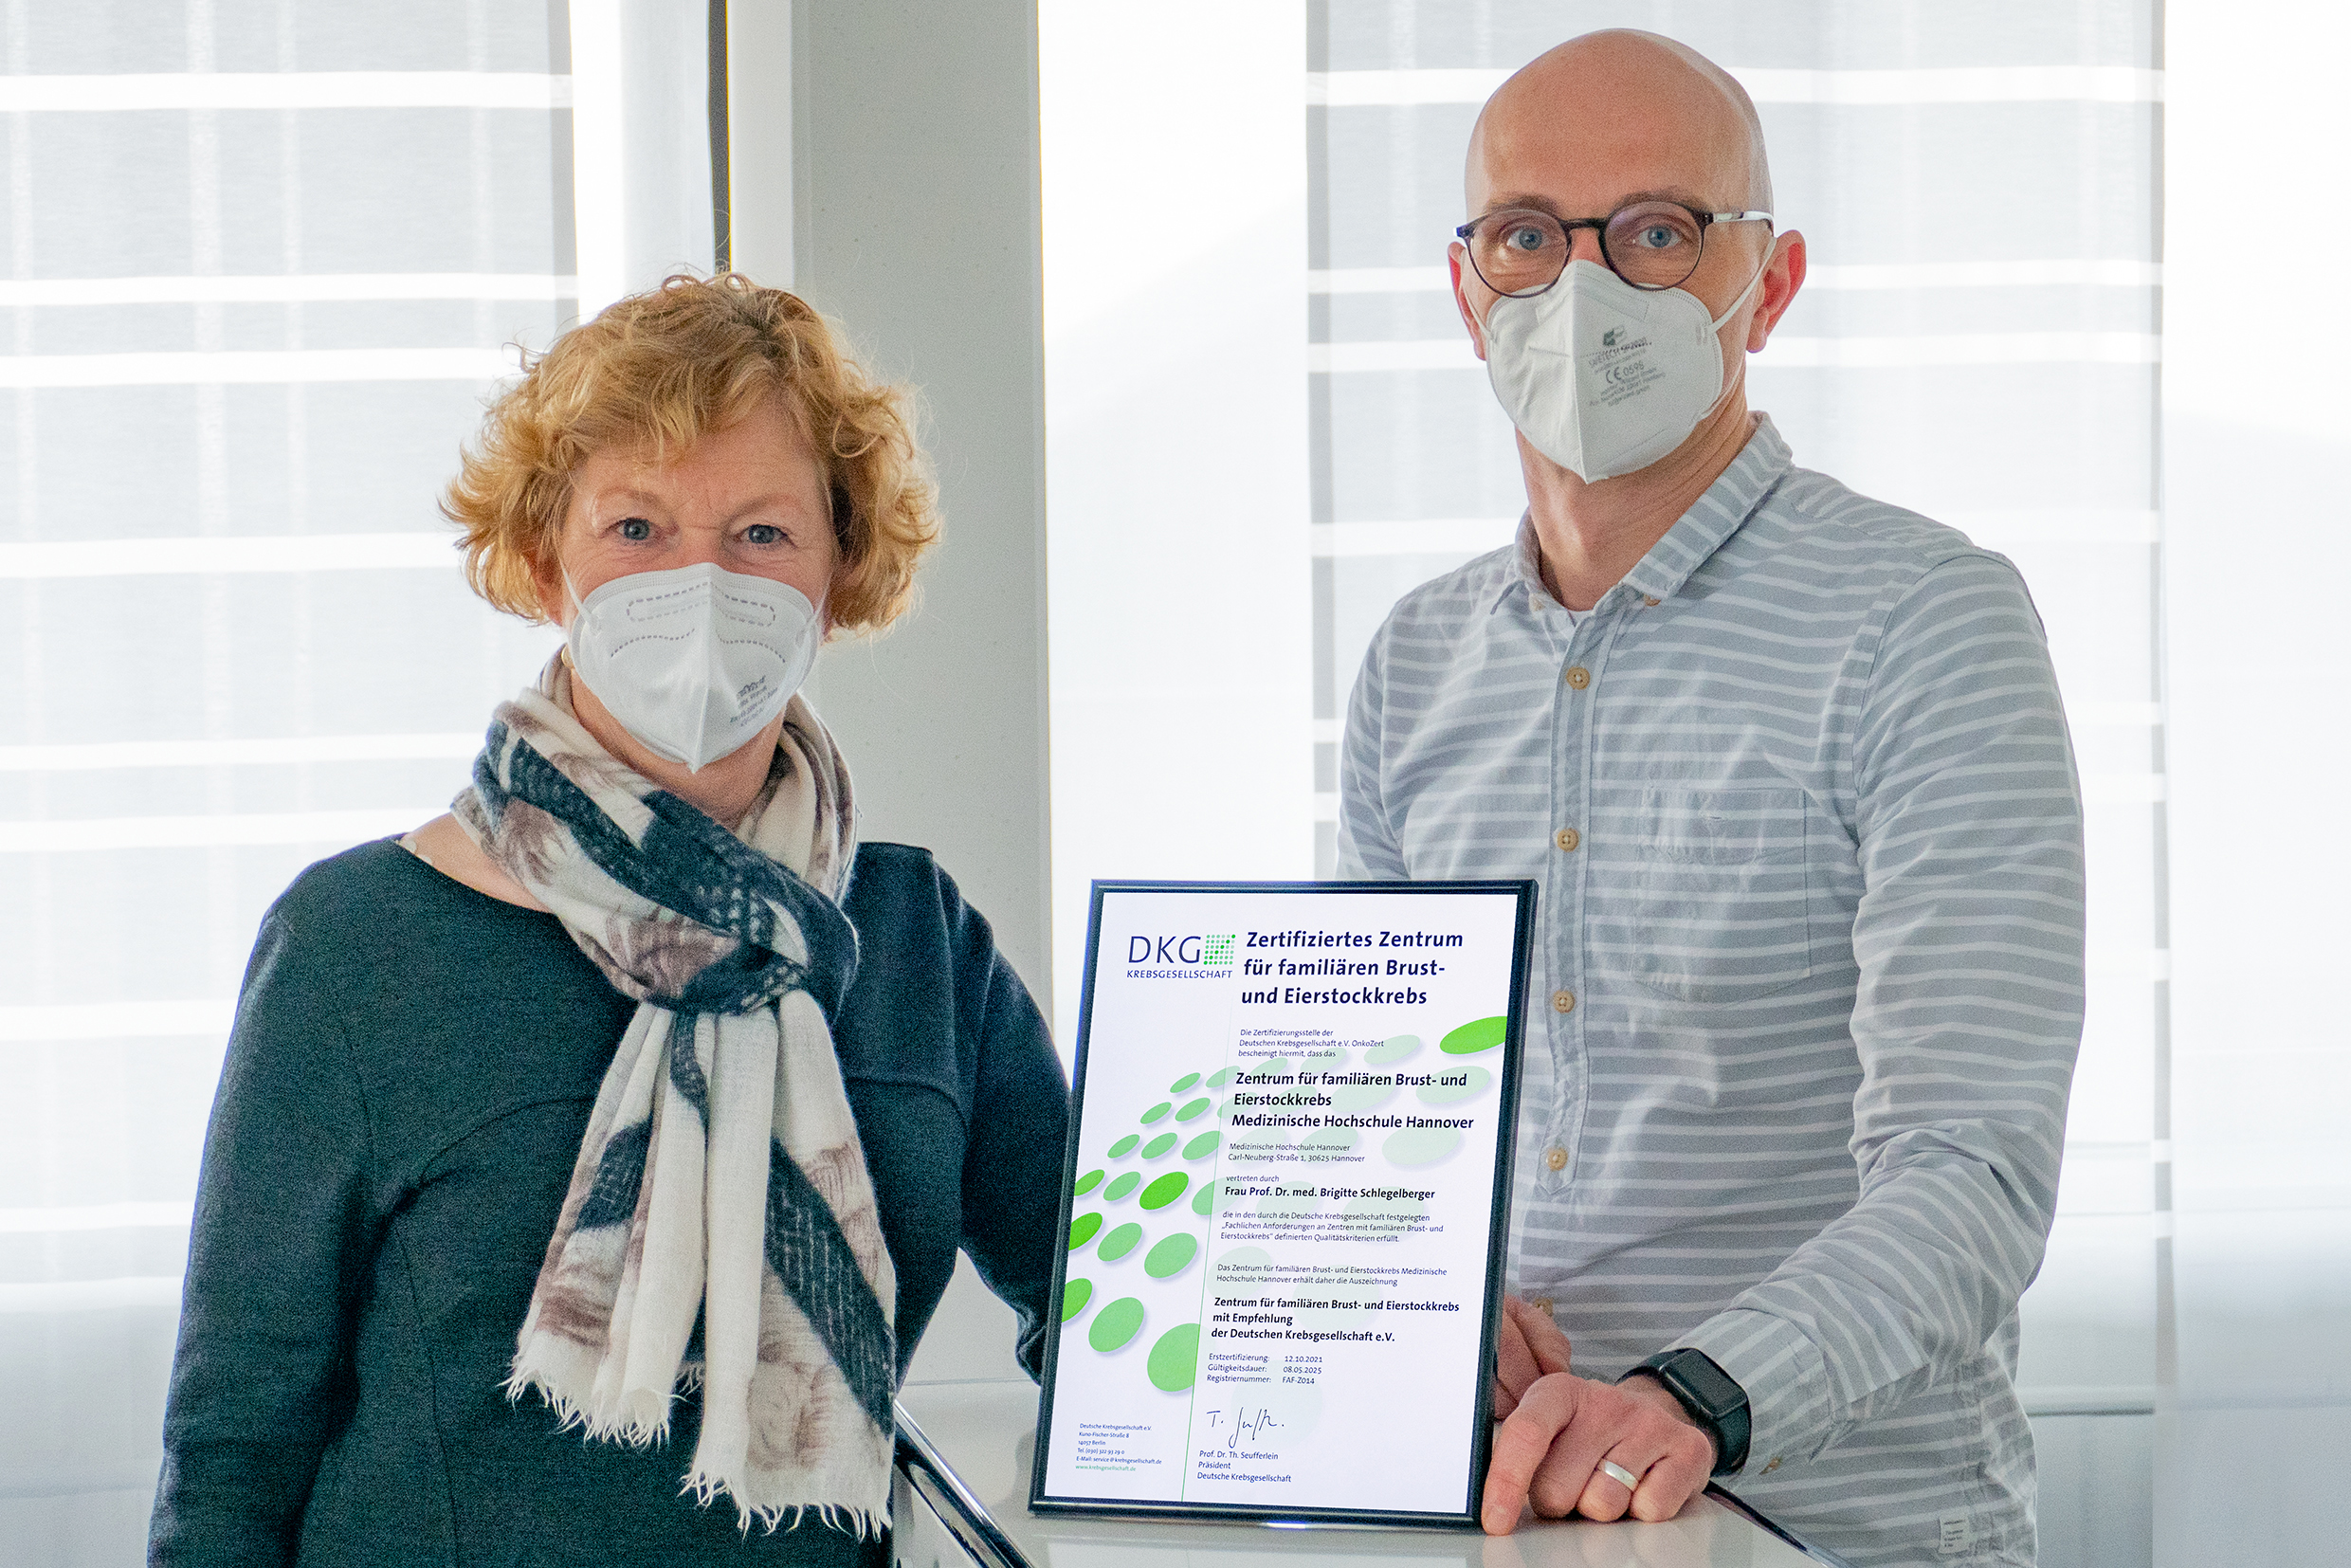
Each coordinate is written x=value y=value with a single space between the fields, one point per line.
x=1604 y=378
x=694 y=662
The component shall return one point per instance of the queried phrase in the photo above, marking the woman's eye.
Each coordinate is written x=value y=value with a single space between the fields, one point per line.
x=635 y=529
x=763 y=533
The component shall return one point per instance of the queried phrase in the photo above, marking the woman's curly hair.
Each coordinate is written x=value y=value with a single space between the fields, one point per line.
x=655 y=371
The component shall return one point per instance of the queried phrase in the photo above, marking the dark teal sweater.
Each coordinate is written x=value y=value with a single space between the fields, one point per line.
x=404 y=1097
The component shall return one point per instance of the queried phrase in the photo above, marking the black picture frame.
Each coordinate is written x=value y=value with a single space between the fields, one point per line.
x=1498 y=1220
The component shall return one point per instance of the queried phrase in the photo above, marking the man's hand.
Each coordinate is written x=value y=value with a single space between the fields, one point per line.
x=1559 y=1427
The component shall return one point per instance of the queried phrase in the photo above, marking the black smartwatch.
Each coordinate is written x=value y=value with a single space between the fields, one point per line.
x=1714 y=1401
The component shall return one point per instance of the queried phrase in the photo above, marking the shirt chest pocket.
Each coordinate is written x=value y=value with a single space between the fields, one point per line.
x=1702 y=894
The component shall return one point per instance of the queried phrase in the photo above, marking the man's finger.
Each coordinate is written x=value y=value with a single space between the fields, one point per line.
x=1546 y=1343
x=1669 y=1464
x=1515 y=1366
x=1678 y=1475
x=1520 y=1444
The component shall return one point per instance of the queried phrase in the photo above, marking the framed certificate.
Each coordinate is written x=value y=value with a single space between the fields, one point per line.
x=1286 y=1201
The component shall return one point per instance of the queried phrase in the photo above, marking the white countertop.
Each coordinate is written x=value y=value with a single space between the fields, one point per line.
x=986 y=1433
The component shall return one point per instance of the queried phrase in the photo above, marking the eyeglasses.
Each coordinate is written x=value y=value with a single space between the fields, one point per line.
x=1651 y=244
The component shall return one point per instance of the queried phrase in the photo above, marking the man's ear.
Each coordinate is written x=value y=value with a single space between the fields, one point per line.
x=1782 y=276
x=1454 y=256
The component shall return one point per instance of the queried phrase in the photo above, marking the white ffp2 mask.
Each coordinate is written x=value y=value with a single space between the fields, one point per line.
x=694 y=662
x=1604 y=378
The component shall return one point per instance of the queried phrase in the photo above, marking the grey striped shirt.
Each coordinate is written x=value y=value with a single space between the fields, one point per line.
x=1808 y=980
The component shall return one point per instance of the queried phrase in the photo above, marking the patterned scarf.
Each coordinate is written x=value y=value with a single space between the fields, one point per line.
x=722 y=1168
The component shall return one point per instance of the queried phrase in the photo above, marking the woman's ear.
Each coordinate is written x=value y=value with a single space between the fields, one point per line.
x=547 y=581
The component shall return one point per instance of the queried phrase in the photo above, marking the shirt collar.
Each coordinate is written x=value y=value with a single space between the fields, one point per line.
x=1700 y=531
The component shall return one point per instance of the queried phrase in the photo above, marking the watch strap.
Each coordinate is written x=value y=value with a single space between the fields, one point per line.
x=1712 y=1398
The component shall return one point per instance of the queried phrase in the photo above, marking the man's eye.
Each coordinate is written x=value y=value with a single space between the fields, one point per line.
x=636 y=529
x=1527 y=238
x=763 y=533
x=1658 y=236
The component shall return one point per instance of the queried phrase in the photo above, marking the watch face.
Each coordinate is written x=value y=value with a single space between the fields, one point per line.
x=1708 y=1383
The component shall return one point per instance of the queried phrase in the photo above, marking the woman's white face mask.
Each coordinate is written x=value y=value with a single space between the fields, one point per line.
x=694 y=662
x=1604 y=378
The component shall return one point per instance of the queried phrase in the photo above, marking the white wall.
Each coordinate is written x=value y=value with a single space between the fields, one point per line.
x=2255 y=1407
x=892 y=146
x=640 y=144
x=1176 y=410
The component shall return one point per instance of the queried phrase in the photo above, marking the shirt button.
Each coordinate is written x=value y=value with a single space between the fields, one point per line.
x=1562 y=1001
x=1650 y=600
x=1556 y=1157
x=1579 y=677
x=1567 y=838
x=1542 y=1304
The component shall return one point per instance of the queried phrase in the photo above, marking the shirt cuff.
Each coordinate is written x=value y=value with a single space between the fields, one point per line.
x=1785 y=1379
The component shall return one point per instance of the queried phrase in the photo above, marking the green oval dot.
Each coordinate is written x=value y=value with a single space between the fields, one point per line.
x=1204 y=1145
x=1122 y=1185
x=1192 y=1112
x=1175 y=1359
x=1125 y=1146
x=1082 y=1230
x=1477 y=1035
x=1118 y=1243
x=1171 y=1256
x=1156 y=1112
x=1395 y=1049
x=1086 y=1183
x=1158 y=1145
x=1218 y=1079
x=1115 y=1324
x=1073 y=1298
x=1206 y=1195
x=1184 y=1082
x=1166 y=1190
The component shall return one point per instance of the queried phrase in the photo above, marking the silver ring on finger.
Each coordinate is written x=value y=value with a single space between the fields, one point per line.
x=1617 y=1473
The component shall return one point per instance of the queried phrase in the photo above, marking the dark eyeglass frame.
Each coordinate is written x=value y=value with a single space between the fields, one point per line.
x=1599 y=228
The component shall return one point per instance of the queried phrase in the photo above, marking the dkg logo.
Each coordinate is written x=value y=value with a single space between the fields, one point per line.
x=1197 y=951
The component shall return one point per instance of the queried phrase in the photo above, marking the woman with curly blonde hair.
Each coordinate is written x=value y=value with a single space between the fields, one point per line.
x=635 y=1095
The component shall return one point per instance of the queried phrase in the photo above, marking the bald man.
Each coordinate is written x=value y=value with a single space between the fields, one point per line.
x=1790 y=768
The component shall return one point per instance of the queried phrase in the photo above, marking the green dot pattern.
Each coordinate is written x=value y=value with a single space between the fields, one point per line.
x=1115 y=1324
x=1166 y=1190
x=1192 y=1111
x=1205 y=1197
x=1082 y=1230
x=1125 y=1146
x=1184 y=1082
x=1121 y=1186
x=1477 y=1035
x=1156 y=1112
x=1218 y=1079
x=1086 y=1183
x=1175 y=1359
x=1118 y=1243
x=1073 y=1298
x=1159 y=1145
x=1204 y=1145
x=1172 y=1256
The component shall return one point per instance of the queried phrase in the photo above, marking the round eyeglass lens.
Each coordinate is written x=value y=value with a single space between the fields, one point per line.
x=1519 y=252
x=1653 y=244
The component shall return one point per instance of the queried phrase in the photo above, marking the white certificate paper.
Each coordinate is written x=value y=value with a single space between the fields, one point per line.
x=1288 y=1186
